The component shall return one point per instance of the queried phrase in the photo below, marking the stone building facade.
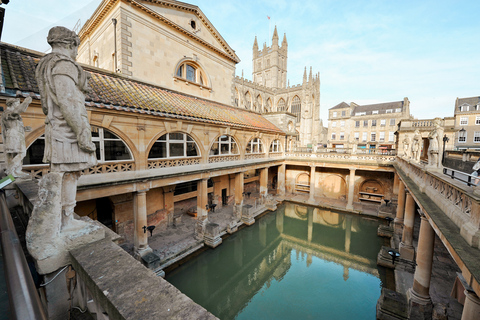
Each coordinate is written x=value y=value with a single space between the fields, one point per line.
x=467 y=123
x=369 y=126
x=271 y=94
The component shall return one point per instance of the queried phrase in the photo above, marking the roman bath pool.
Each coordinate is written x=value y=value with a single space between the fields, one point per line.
x=296 y=263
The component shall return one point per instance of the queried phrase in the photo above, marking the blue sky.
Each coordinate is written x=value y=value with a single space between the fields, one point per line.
x=366 y=51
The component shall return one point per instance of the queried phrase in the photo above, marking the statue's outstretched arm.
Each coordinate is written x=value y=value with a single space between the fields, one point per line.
x=22 y=107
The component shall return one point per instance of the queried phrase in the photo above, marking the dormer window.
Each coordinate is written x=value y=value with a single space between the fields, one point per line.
x=464 y=108
x=375 y=112
x=191 y=72
x=398 y=110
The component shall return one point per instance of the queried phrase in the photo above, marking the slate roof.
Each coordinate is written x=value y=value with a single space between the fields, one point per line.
x=470 y=101
x=340 y=106
x=381 y=107
x=112 y=91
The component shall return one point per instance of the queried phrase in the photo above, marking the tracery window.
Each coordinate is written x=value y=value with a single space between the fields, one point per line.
x=254 y=146
x=248 y=101
x=281 y=105
x=225 y=145
x=269 y=105
x=259 y=103
x=275 y=146
x=174 y=145
x=297 y=107
x=191 y=72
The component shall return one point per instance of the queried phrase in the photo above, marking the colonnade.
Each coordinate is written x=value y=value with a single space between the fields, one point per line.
x=418 y=294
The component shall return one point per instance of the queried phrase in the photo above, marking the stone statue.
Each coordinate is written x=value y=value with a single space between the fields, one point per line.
x=13 y=134
x=417 y=139
x=406 y=146
x=68 y=139
x=53 y=230
x=434 y=152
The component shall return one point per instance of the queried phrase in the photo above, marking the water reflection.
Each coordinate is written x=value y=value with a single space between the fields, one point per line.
x=298 y=262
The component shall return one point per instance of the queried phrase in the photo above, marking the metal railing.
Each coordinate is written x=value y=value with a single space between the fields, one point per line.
x=467 y=178
x=23 y=297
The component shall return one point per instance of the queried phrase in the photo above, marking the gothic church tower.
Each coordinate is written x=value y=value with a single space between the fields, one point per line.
x=270 y=63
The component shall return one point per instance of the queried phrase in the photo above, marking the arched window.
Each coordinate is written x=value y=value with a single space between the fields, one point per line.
x=254 y=146
x=268 y=108
x=275 y=146
x=109 y=147
x=225 y=145
x=297 y=107
x=248 y=101
x=259 y=103
x=190 y=71
x=174 y=145
x=281 y=105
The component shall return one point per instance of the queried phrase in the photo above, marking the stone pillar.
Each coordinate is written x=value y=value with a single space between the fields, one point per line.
x=400 y=204
x=263 y=182
x=311 y=199
x=281 y=180
x=419 y=302
x=471 y=308
x=140 y=236
x=239 y=189
x=348 y=232
x=407 y=251
x=168 y=201
x=351 y=188
x=202 y=211
x=396 y=184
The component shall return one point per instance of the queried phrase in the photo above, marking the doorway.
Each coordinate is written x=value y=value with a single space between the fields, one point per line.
x=224 y=197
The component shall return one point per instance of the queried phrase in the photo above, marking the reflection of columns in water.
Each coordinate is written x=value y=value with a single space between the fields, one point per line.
x=346 y=273
x=309 y=259
x=238 y=251
x=348 y=232
x=263 y=232
x=310 y=224
x=279 y=220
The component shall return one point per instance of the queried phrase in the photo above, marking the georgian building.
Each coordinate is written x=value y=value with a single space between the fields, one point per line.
x=467 y=123
x=370 y=126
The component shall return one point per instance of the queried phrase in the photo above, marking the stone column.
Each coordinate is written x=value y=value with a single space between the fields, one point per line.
x=400 y=204
x=396 y=183
x=281 y=180
x=419 y=302
x=351 y=188
x=407 y=251
x=202 y=211
x=263 y=182
x=140 y=236
x=239 y=189
x=311 y=199
x=168 y=201
x=471 y=308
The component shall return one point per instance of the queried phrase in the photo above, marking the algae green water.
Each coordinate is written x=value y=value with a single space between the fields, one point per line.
x=296 y=263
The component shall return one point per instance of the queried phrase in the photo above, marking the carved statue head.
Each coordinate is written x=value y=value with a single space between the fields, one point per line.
x=12 y=103
x=61 y=37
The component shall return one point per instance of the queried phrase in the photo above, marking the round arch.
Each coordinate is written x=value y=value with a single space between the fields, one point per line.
x=372 y=186
x=126 y=139
x=334 y=186
x=195 y=138
x=217 y=140
x=191 y=61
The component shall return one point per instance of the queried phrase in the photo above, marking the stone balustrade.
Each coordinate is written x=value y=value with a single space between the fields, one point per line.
x=459 y=202
x=343 y=157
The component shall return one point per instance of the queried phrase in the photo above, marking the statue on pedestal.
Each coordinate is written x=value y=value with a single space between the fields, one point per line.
x=434 y=152
x=406 y=146
x=53 y=229
x=13 y=134
x=417 y=139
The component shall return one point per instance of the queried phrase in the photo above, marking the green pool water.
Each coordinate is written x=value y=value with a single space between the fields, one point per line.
x=296 y=263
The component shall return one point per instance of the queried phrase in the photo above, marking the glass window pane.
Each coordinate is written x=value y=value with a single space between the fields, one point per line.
x=214 y=150
x=176 y=136
x=180 y=71
x=224 y=149
x=159 y=150
x=249 y=148
x=108 y=135
x=163 y=138
x=190 y=73
x=234 y=148
x=116 y=150
x=224 y=138
x=97 y=149
x=189 y=138
x=95 y=132
x=191 y=149
x=35 y=152
x=176 y=150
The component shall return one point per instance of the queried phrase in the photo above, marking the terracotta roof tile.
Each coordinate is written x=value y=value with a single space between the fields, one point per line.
x=117 y=92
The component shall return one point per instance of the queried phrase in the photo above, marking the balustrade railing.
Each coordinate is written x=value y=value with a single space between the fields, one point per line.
x=167 y=163
x=215 y=159
x=377 y=157
x=254 y=156
x=38 y=171
x=275 y=154
x=455 y=200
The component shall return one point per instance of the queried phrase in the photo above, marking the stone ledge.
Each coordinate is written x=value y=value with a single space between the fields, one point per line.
x=128 y=290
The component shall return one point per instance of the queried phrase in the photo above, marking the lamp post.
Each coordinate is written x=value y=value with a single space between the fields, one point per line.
x=445 y=140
